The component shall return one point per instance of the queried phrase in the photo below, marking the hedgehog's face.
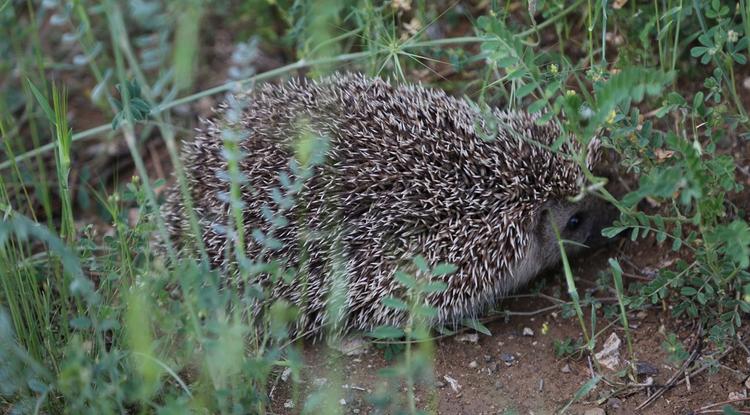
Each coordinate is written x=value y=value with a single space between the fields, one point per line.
x=580 y=223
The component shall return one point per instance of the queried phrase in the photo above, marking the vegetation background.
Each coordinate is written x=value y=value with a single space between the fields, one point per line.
x=95 y=97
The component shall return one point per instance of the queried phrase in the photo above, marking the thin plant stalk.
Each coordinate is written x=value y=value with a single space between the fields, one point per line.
x=620 y=291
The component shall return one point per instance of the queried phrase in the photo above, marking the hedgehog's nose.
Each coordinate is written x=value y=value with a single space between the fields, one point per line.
x=596 y=239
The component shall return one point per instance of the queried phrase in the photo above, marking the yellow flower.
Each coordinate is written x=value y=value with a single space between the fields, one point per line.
x=611 y=117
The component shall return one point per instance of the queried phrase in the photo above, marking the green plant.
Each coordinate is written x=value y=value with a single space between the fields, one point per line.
x=415 y=367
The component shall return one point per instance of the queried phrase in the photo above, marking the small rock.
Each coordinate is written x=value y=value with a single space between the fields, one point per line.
x=614 y=403
x=746 y=83
x=468 y=338
x=453 y=382
x=565 y=369
x=594 y=411
x=439 y=384
x=498 y=385
x=285 y=374
x=289 y=404
x=736 y=396
x=528 y=332
x=507 y=358
x=609 y=356
x=355 y=410
x=342 y=402
x=645 y=368
x=473 y=364
x=487 y=358
x=351 y=345
x=747 y=383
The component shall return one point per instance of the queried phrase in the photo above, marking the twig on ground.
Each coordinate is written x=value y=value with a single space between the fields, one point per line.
x=673 y=380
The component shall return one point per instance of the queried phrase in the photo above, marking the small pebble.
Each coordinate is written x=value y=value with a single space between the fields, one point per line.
x=285 y=374
x=507 y=358
x=614 y=403
x=473 y=364
x=565 y=369
x=594 y=411
x=736 y=396
x=289 y=404
x=453 y=382
x=342 y=402
x=468 y=338
x=645 y=368
x=528 y=332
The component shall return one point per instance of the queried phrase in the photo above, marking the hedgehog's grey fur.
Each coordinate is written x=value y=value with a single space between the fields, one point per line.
x=408 y=171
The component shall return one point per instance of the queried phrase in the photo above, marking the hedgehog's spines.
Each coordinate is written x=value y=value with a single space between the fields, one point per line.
x=407 y=173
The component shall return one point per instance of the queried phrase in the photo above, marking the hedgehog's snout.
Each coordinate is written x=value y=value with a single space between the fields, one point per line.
x=580 y=223
x=586 y=220
x=606 y=213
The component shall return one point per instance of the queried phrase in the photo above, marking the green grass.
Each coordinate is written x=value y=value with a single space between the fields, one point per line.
x=93 y=320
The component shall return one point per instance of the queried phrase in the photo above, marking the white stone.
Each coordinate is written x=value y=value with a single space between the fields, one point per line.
x=609 y=355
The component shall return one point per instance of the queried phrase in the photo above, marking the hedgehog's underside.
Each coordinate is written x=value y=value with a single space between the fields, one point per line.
x=407 y=172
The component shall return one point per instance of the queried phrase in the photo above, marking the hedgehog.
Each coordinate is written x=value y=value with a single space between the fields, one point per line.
x=403 y=171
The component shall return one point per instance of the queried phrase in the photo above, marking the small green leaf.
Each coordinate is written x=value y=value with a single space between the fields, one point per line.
x=434 y=287
x=394 y=303
x=526 y=89
x=688 y=291
x=537 y=106
x=405 y=279
x=582 y=392
x=425 y=311
x=613 y=231
x=698 y=51
x=42 y=101
x=387 y=332
x=444 y=268
x=729 y=410
x=421 y=263
x=477 y=325
x=80 y=323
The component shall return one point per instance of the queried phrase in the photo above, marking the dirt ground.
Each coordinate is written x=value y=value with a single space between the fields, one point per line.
x=513 y=373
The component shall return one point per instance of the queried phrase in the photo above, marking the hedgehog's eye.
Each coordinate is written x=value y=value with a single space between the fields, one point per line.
x=574 y=222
